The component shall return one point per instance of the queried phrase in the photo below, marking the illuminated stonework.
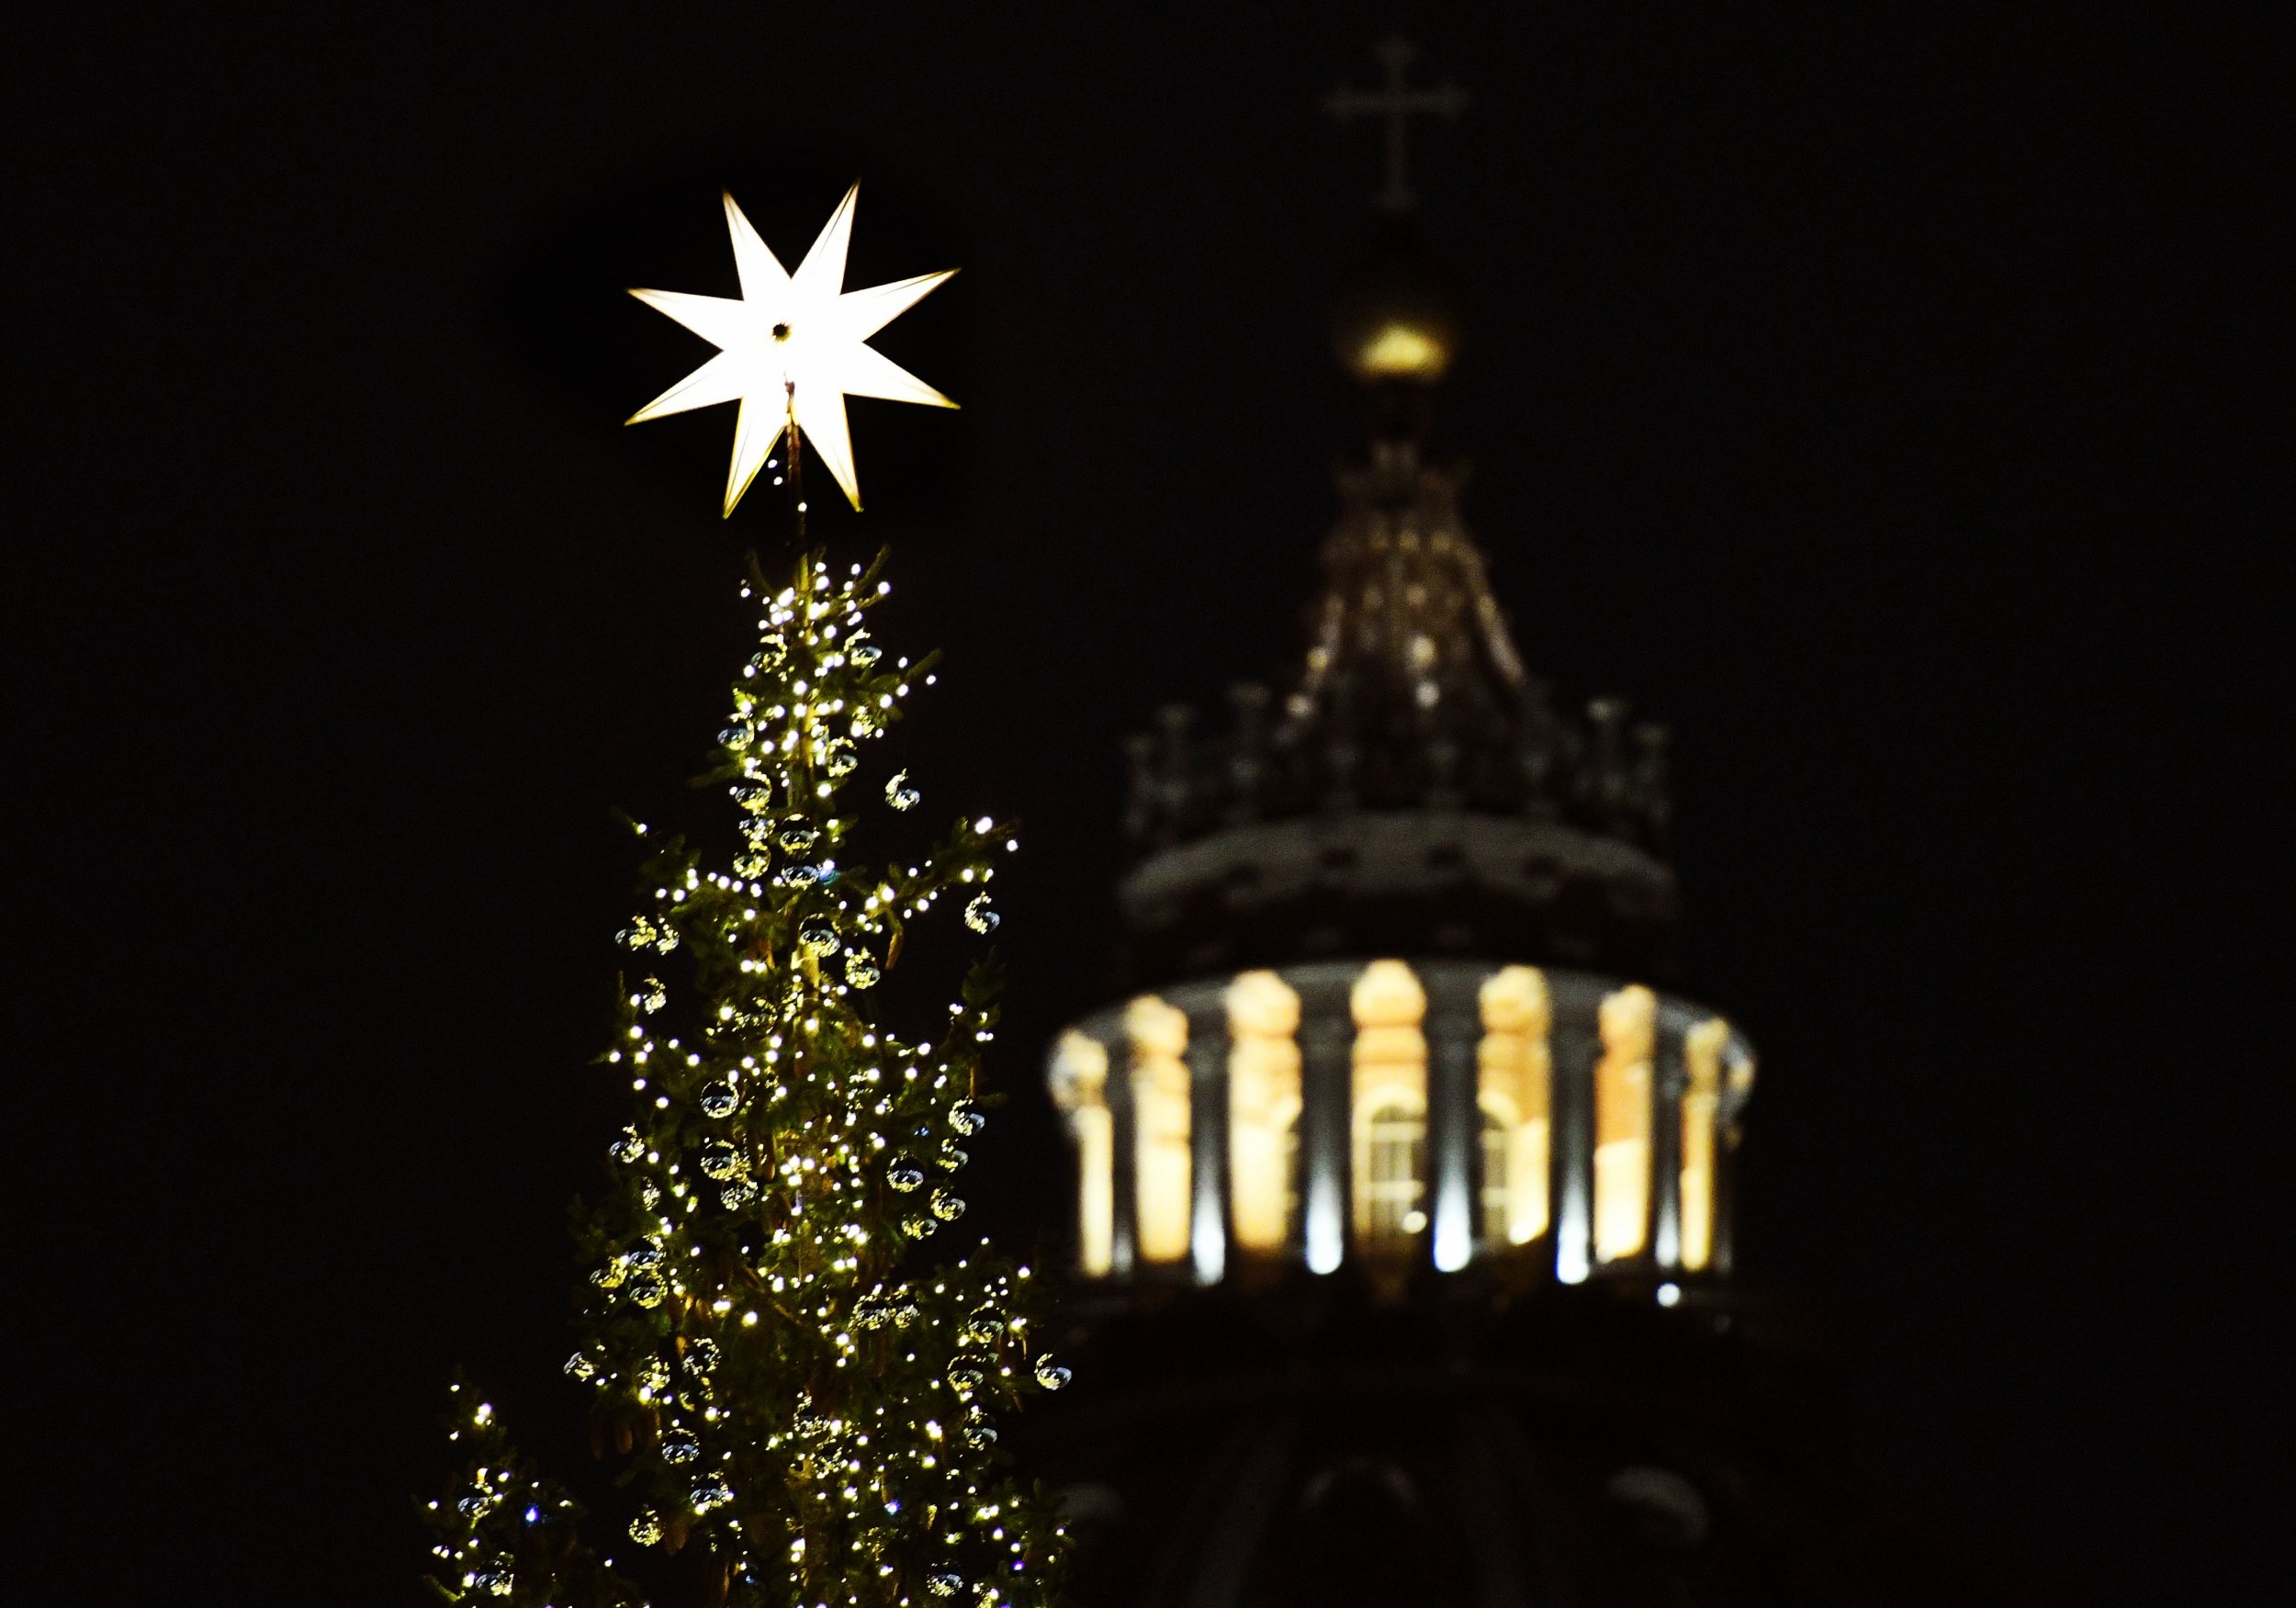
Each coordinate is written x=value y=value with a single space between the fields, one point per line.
x=1389 y=1113
x=1263 y=1110
x=1157 y=1036
x=1328 y=1110
x=1628 y=1022
x=1080 y=1085
x=1513 y=1067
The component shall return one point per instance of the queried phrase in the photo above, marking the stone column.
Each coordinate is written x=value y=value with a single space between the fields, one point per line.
x=1125 y=1173
x=1578 y=1043
x=1327 y=1035
x=1669 y=1078
x=1208 y=1131
x=1454 y=1028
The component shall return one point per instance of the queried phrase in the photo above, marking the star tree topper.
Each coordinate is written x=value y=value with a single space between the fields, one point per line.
x=790 y=349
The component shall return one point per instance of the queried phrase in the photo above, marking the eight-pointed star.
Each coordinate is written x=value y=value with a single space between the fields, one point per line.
x=791 y=344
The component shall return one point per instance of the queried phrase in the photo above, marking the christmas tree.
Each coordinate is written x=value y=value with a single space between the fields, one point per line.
x=796 y=1397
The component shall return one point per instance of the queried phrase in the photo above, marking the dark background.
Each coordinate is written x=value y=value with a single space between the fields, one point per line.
x=1873 y=392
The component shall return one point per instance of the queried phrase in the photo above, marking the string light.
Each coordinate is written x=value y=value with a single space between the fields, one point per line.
x=781 y=1384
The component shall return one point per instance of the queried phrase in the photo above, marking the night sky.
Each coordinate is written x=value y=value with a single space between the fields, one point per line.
x=1866 y=392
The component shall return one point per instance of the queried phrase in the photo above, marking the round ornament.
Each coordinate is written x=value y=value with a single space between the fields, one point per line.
x=947 y=1207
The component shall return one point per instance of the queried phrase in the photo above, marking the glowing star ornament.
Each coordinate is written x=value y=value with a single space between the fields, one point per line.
x=790 y=349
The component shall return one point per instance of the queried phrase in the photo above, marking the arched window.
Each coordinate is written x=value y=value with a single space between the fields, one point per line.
x=1513 y=1077
x=1392 y=1180
x=1263 y=1110
x=1629 y=1020
x=1080 y=1080
x=1390 y=1106
x=1158 y=1035
x=1497 y=1201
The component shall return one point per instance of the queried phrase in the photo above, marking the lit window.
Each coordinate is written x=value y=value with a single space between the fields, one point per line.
x=1080 y=1080
x=1496 y=1200
x=1390 y=1106
x=1394 y=1174
x=1262 y=1110
x=1622 y=1123
x=1158 y=1035
x=1514 y=1076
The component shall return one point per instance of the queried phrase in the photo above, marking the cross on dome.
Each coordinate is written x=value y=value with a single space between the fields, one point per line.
x=1397 y=103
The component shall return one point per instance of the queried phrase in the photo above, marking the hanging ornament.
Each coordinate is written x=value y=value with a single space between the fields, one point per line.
x=965 y=1376
x=944 y=1585
x=978 y=1431
x=898 y=796
x=736 y=736
x=772 y=650
x=701 y=1356
x=839 y=757
x=966 y=1119
x=649 y=1195
x=1049 y=1374
x=679 y=1445
x=647 y=1288
x=578 y=1366
x=819 y=938
x=709 y=1491
x=904 y=1174
x=950 y=1158
x=864 y=724
x=799 y=836
x=790 y=349
x=861 y=971
x=872 y=1311
x=720 y=1160
x=947 y=1207
x=610 y=1276
x=718 y=1099
x=979 y=917
x=736 y=1194
x=985 y=1324
x=864 y=653
x=652 y=1374
x=646 y=1529
x=918 y=1227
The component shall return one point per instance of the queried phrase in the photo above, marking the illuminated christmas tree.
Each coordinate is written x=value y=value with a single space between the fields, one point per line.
x=794 y=1386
